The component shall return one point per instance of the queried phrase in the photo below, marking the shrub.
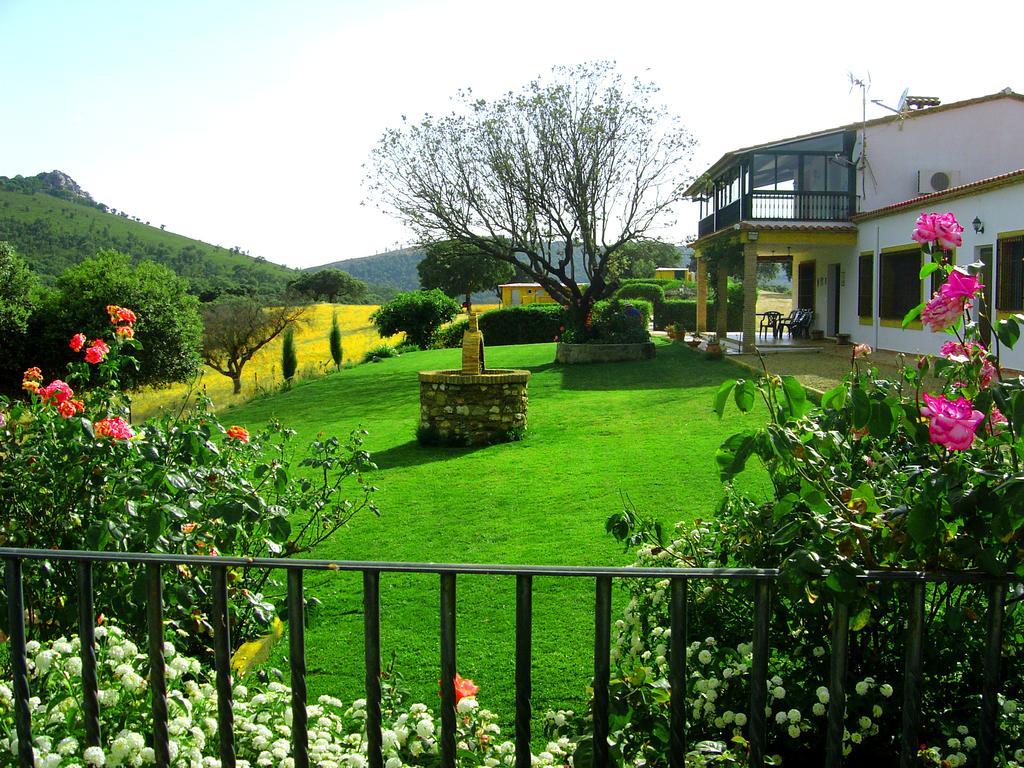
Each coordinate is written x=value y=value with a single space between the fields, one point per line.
x=450 y=336
x=530 y=324
x=685 y=311
x=655 y=294
x=76 y=475
x=262 y=714
x=665 y=283
x=417 y=314
x=380 y=352
x=614 y=321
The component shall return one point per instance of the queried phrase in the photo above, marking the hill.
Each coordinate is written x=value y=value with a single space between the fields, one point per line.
x=53 y=223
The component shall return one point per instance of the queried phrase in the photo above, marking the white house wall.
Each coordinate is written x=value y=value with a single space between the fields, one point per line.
x=979 y=141
x=1000 y=210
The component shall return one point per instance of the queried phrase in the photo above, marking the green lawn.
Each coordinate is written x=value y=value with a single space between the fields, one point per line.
x=596 y=434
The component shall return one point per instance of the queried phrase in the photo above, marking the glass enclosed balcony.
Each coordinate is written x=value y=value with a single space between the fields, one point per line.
x=808 y=180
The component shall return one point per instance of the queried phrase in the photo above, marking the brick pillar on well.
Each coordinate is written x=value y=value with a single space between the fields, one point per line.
x=721 y=302
x=702 y=294
x=750 y=297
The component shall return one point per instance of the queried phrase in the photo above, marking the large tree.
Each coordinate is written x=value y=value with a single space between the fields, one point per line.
x=459 y=269
x=580 y=163
x=237 y=328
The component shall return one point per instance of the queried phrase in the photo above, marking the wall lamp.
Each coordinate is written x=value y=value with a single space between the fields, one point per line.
x=979 y=226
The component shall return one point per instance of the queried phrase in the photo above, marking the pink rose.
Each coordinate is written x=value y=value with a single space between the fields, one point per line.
x=97 y=352
x=951 y=422
x=995 y=422
x=947 y=231
x=941 y=311
x=961 y=285
x=924 y=229
x=56 y=392
x=113 y=427
x=966 y=353
x=77 y=342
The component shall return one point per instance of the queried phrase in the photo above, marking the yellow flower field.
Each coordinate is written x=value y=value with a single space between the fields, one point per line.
x=263 y=372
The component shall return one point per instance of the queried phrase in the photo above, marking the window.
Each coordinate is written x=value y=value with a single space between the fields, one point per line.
x=805 y=285
x=866 y=285
x=1010 y=280
x=899 y=283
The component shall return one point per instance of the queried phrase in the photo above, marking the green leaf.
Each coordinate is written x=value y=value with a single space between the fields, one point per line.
x=177 y=481
x=912 y=315
x=921 y=523
x=835 y=398
x=860 y=619
x=744 y=395
x=722 y=396
x=927 y=269
x=733 y=454
x=796 y=395
x=280 y=479
x=1008 y=331
x=881 y=421
x=861 y=407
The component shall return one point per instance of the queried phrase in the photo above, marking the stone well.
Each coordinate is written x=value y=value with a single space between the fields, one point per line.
x=474 y=405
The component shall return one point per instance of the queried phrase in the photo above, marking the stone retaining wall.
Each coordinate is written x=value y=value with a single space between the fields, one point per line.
x=603 y=353
x=472 y=409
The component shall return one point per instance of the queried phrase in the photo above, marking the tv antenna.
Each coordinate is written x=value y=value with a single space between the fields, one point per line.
x=859 y=156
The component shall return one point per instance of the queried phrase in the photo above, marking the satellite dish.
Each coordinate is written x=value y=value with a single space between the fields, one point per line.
x=901 y=105
x=858 y=149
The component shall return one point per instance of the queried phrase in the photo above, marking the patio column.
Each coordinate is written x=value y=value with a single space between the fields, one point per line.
x=722 y=303
x=750 y=297
x=702 y=294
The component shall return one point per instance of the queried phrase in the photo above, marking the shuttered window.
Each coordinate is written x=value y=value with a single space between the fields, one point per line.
x=899 y=283
x=1010 y=281
x=866 y=285
x=805 y=285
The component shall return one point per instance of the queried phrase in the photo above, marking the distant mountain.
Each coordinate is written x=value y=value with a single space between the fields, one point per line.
x=54 y=223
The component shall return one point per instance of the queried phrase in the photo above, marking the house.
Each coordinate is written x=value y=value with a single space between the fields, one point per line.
x=515 y=294
x=840 y=205
x=671 y=273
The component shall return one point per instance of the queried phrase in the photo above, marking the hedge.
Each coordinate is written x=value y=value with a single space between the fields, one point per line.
x=684 y=311
x=530 y=324
x=652 y=293
x=665 y=283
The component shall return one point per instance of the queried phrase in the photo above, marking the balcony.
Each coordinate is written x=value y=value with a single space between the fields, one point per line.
x=779 y=205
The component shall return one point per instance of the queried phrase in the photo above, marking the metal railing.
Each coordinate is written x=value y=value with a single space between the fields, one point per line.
x=679 y=579
x=798 y=206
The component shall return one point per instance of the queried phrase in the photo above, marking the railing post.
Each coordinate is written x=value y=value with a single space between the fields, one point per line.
x=837 y=685
x=157 y=671
x=448 y=670
x=87 y=652
x=222 y=663
x=524 y=669
x=602 y=667
x=759 y=674
x=371 y=647
x=912 y=677
x=297 y=663
x=989 y=731
x=19 y=663
x=677 y=673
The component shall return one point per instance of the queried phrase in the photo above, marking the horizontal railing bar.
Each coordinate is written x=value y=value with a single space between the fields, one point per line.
x=945 y=577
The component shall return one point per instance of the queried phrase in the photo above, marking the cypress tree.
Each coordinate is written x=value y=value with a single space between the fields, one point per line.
x=335 y=341
x=289 y=360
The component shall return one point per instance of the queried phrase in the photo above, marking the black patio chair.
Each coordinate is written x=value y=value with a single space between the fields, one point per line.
x=798 y=323
x=769 y=322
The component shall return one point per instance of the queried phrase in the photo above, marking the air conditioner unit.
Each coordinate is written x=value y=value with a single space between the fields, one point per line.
x=936 y=181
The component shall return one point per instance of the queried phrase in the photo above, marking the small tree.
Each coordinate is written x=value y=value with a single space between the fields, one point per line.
x=460 y=270
x=18 y=295
x=289 y=359
x=335 y=341
x=236 y=329
x=417 y=314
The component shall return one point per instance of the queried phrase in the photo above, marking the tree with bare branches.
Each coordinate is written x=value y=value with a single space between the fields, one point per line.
x=577 y=164
x=237 y=328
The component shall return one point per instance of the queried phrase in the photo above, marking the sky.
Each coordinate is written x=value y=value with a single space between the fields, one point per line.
x=248 y=123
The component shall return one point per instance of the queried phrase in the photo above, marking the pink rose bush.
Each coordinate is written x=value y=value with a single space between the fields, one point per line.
x=975 y=353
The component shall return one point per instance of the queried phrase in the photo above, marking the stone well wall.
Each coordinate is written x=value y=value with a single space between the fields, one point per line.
x=473 y=409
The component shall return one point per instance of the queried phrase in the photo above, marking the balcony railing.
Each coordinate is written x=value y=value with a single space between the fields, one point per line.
x=780 y=205
x=763 y=580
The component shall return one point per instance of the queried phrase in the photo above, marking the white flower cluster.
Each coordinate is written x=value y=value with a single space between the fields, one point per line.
x=262 y=717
